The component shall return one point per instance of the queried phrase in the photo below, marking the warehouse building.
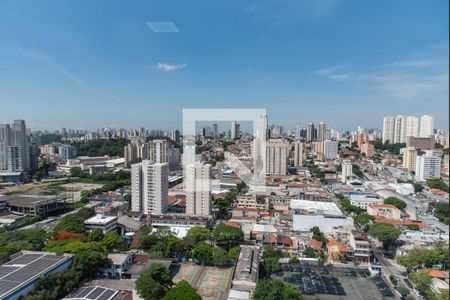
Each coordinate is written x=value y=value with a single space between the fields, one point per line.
x=20 y=275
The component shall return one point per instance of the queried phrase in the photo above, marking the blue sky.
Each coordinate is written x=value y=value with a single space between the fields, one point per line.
x=90 y=64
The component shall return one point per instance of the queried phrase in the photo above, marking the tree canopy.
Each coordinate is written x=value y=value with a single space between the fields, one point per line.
x=154 y=283
x=182 y=291
x=385 y=233
x=198 y=234
x=227 y=236
x=276 y=290
x=400 y=204
x=422 y=257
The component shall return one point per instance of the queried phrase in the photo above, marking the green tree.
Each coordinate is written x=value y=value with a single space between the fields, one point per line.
x=441 y=211
x=437 y=184
x=202 y=253
x=413 y=227
x=95 y=235
x=425 y=258
x=219 y=257
x=76 y=172
x=154 y=282
x=227 y=236
x=422 y=281
x=182 y=291
x=363 y=219
x=348 y=207
x=309 y=252
x=396 y=202
x=276 y=290
x=234 y=252
x=198 y=234
x=385 y=233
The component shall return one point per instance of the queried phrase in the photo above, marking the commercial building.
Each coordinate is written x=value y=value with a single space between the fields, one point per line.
x=246 y=273
x=198 y=189
x=102 y=222
x=420 y=143
x=277 y=153
x=325 y=215
x=149 y=187
x=33 y=205
x=20 y=275
x=94 y=293
x=428 y=166
x=364 y=200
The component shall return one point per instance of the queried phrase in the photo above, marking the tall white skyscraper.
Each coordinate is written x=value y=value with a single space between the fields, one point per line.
x=389 y=129
x=149 y=187
x=198 y=189
x=298 y=154
x=298 y=129
x=428 y=166
x=321 y=132
x=426 y=126
x=277 y=153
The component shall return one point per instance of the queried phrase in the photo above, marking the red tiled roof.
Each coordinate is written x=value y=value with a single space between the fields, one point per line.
x=315 y=244
x=399 y=222
x=234 y=224
x=437 y=274
x=374 y=205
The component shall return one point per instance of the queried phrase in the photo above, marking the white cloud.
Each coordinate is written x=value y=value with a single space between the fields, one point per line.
x=169 y=67
x=412 y=63
x=402 y=79
x=328 y=70
x=163 y=27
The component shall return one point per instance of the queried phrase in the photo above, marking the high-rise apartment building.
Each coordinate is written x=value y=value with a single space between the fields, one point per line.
x=426 y=126
x=14 y=147
x=396 y=129
x=310 y=132
x=389 y=129
x=347 y=171
x=367 y=149
x=198 y=189
x=149 y=187
x=157 y=150
x=410 y=158
x=66 y=152
x=321 y=132
x=298 y=154
x=330 y=149
x=277 y=153
x=428 y=166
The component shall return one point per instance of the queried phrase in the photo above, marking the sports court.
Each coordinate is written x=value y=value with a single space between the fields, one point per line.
x=210 y=282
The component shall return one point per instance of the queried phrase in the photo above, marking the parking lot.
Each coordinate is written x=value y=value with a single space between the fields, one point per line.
x=324 y=283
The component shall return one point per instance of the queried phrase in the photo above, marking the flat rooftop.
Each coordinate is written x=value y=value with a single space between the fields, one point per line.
x=100 y=220
x=26 y=200
x=92 y=293
x=318 y=207
x=25 y=267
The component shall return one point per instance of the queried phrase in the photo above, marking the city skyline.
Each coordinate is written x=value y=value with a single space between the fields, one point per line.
x=136 y=68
